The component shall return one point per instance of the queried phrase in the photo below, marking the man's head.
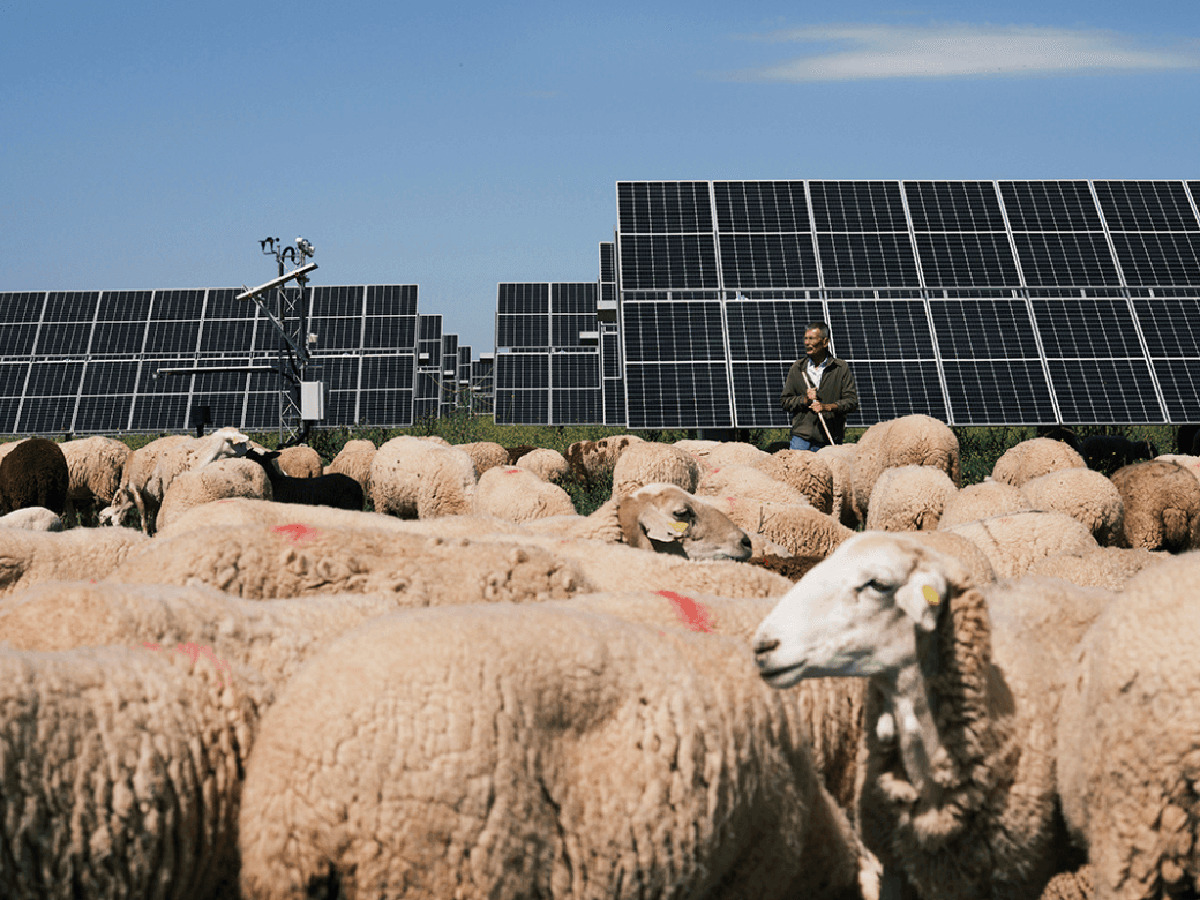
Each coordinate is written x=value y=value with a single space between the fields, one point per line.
x=816 y=341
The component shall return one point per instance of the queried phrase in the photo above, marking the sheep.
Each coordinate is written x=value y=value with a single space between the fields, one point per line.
x=748 y=483
x=122 y=769
x=1129 y=738
x=271 y=639
x=963 y=549
x=29 y=557
x=647 y=462
x=548 y=465
x=32 y=518
x=354 y=459
x=1063 y=433
x=909 y=498
x=1084 y=495
x=1013 y=543
x=485 y=454
x=724 y=453
x=1108 y=452
x=1162 y=506
x=335 y=489
x=133 y=490
x=981 y=501
x=1191 y=463
x=187 y=455
x=909 y=440
x=298 y=560
x=515 y=453
x=6 y=447
x=840 y=459
x=806 y=471
x=1029 y=459
x=232 y=477
x=300 y=462
x=957 y=787
x=531 y=752
x=34 y=473
x=94 y=467
x=518 y=494
x=592 y=461
x=1106 y=567
x=799 y=528
x=412 y=478
x=698 y=448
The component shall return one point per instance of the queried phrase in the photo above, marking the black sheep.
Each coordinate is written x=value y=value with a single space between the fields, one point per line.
x=1061 y=433
x=1187 y=440
x=34 y=473
x=1108 y=452
x=335 y=489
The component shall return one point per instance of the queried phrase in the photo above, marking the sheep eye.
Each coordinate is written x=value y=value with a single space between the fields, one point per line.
x=684 y=513
x=880 y=587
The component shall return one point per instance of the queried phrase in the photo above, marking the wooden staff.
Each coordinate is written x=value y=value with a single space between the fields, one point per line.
x=821 y=416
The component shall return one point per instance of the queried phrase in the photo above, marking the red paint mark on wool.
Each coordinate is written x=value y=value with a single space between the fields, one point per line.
x=694 y=614
x=297 y=531
x=195 y=651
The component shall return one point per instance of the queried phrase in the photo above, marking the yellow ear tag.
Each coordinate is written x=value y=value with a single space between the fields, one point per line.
x=931 y=595
x=679 y=527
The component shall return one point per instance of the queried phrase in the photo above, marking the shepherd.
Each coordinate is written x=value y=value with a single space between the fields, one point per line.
x=819 y=393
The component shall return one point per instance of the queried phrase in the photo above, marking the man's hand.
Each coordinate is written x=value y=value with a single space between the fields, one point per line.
x=812 y=394
x=819 y=407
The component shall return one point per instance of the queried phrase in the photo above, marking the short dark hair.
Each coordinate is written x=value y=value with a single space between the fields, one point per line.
x=818 y=326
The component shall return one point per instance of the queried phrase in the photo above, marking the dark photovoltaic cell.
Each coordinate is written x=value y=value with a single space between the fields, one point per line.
x=572 y=330
x=63 y=338
x=1170 y=325
x=522 y=370
x=334 y=334
x=233 y=336
x=879 y=329
x=53 y=379
x=1065 y=259
x=1158 y=258
x=387 y=406
x=668 y=262
x=1146 y=206
x=47 y=415
x=675 y=331
x=106 y=413
x=8 y=415
x=13 y=376
x=71 y=306
x=756 y=390
x=768 y=260
x=663 y=207
x=1050 y=206
x=223 y=304
x=757 y=206
x=522 y=406
x=177 y=305
x=981 y=329
x=614 y=403
x=159 y=413
x=867 y=260
x=1180 y=382
x=770 y=329
x=858 y=206
x=608 y=262
x=523 y=331
x=887 y=390
x=967 y=259
x=22 y=306
x=576 y=407
x=392 y=300
x=15 y=340
x=954 y=206
x=1092 y=327
x=523 y=298
x=1105 y=390
x=118 y=338
x=998 y=391
x=677 y=395
x=338 y=300
x=104 y=377
x=394 y=372
x=575 y=370
x=573 y=297
x=172 y=337
x=340 y=373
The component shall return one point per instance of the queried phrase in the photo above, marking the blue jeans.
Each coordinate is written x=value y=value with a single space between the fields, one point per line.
x=799 y=443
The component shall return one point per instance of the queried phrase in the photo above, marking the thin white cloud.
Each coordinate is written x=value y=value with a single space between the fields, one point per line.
x=856 y=52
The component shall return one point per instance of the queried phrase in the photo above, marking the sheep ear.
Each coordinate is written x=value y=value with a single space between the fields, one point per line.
x=658 y=526
x=922 y=597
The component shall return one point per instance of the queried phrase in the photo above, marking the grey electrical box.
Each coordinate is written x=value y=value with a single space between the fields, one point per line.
x=312 y=400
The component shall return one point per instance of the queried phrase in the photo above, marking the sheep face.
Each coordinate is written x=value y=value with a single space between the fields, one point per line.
x=667 y=519
x=857 y=613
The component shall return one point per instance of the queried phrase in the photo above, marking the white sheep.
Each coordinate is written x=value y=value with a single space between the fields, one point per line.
x=518 y=494
x=593 y=461
x=1162 y=506
x=521 y=751
x=224 y=478
x=300 y=461
x=982 y=501
x=840 y=459
x=909 y=440
x=415 y=478
x=909 y=498
x=725 y=453
x=1129 y=738
x=647 y=462
x=354 y=459
x=184 y=456
x=485 y=454
x=808 y=472
x=1033 y=458
x=122 y=771
x=1106 y=567
x=802 y=530
x=747 y=483
x=32 y=518
x=548 y=465
x=1082 y=494
x=132 y=492
x=94 y=467
x=1013 y=543
x=29 y=557
x=958 y=794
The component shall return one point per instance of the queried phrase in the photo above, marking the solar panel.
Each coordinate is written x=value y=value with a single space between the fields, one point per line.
x=1065 y=259
x=664 y=207
x=858 y=206
x=967 y=260
x=954 y=206
x=1159 y=258
x=868 y=260
x=1105 y=390
x=757 y=206
x=1146 y=206
x=668 y=262
x=1050 y=206
x=997 y=391
x=666 y=332
x=677 y=395
x=887 y=390
x=768 y=260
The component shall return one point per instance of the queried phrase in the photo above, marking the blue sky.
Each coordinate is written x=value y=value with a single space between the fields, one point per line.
x=151 y=145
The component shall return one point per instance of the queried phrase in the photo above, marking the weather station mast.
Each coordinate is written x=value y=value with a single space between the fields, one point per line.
x=301 y=402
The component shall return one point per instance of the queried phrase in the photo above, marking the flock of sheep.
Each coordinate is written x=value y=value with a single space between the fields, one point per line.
x=242 y=684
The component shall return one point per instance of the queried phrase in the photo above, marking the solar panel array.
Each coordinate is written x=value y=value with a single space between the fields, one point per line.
x=977 y=302
x=86 y=361
x=547 y=369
